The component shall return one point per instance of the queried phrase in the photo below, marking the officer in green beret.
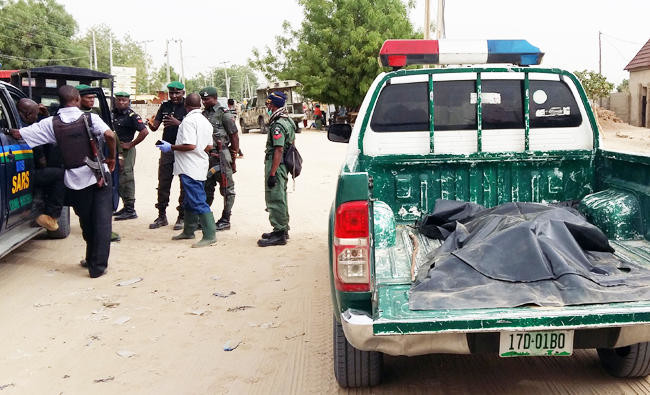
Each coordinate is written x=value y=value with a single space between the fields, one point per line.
x=87 y=98
x=222 y=158
x=170 y=114
x=281 y=134
x=125 y=124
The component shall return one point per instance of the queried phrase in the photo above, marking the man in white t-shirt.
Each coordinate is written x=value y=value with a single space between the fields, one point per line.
x=191 y=162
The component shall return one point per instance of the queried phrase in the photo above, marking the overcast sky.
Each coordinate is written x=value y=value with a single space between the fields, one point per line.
x=218 y=31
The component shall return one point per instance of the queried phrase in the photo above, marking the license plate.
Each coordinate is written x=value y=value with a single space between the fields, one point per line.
x=525 y=344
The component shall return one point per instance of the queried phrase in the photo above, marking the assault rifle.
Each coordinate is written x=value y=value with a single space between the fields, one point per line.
x=96 y=163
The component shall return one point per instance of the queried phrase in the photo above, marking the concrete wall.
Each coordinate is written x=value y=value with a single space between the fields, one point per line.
x=619 y=102
x=639 y=82
x=145 y=110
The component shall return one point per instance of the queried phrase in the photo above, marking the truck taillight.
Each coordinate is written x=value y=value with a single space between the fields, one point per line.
x=351 y=247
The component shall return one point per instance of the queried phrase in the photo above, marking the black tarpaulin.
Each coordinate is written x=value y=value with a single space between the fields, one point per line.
x=520 y=254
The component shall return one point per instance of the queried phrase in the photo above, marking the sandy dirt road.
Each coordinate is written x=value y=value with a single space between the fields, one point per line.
x=63 y=333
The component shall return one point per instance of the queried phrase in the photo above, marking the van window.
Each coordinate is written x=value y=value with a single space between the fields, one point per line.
x=552 y=105
x=402 y=108
x=452 y=105
x=502 y=104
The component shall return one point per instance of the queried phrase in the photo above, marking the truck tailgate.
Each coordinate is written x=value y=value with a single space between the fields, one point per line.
x=393 y=315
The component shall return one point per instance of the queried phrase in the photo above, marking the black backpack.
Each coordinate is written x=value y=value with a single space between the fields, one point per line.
x=292 y=160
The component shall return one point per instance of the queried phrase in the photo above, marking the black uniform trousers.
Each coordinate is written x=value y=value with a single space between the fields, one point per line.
x=94 y=206
x=50 y=180
x=165 y=177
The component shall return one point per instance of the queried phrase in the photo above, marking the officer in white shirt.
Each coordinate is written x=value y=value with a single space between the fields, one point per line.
x=191 y=162
x=86 y=192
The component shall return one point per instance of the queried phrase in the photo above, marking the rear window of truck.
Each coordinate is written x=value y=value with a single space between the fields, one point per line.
x=404 y=107
x=552 y=105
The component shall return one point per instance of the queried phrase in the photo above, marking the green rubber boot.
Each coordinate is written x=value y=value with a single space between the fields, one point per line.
x=189 y=226
x=209 y=230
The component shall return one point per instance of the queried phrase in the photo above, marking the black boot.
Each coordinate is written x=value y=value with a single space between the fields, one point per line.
x=275 y=239
x=160 y=221
x=128 y=212
x=119 y=212
x=267 y=235
x=224 y=222
x=179 y=223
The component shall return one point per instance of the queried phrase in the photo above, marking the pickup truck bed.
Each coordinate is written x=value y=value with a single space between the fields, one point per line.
x=455 y=330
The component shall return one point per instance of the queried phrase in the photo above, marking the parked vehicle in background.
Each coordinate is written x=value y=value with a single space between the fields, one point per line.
x=255 y=116
x=19 y=199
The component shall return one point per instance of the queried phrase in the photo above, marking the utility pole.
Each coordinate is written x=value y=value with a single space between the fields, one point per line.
x=90 y=56
x=167 y=54
x=110 y=53
x=180 y=43
x=225 y=70
x=146 y=68
x=440 y=24
x=600 y=52
x=426 y=19
x=94 y=49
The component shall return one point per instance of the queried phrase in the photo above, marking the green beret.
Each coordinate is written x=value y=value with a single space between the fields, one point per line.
x=122 y=94
x=208 y=91
x=176 y=85
x=83 y=89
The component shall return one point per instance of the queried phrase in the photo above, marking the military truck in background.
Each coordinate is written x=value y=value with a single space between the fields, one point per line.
x=254 y=115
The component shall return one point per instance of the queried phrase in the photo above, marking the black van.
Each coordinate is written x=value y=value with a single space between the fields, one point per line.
x=18 y=197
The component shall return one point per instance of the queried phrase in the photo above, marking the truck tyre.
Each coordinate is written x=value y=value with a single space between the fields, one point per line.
x=262 y=125
x=352 y=367
x=64 y=225
x=243 y=126
x=628 y=361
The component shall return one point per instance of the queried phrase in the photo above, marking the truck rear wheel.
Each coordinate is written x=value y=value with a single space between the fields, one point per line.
x=352 y=367
x=64 y=225
x=262 y=125
x=244 y=129
x=628 y=361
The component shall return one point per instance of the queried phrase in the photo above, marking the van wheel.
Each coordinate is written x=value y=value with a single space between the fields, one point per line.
x=64 y=225
x=628 y=361
x=243 y=126
x=262 y=125
x=352 y=367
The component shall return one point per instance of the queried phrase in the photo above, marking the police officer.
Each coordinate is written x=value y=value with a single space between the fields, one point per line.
x=224 y=135
x=91 y=201
x=170 y=114
x=282 y=133
x=86 y=104
x=126 y=122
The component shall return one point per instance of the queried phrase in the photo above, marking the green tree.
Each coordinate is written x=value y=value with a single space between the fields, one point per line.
x=158 y=78
x=38 y=33
x=595 y=84
x=237 y=75
x=126 y=52
x=624 y=86
x=334 y=53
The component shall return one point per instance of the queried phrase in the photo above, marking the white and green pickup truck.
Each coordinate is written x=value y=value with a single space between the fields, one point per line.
x=487 y=134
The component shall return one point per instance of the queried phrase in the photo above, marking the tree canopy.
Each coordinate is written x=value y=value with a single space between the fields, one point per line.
x=595 y=84
x=217 y=77
x=126 y=52
x=334 y=53
x=38 y=33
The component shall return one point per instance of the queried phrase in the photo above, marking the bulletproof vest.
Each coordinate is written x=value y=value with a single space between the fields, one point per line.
x=73 y=141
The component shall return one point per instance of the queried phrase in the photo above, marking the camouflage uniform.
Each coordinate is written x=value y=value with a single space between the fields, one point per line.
x=223 y=125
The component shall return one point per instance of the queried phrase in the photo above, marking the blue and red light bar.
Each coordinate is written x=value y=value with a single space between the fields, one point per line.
x=399 y=53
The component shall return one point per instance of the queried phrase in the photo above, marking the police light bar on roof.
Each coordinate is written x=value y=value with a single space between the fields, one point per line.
x=399 y=53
